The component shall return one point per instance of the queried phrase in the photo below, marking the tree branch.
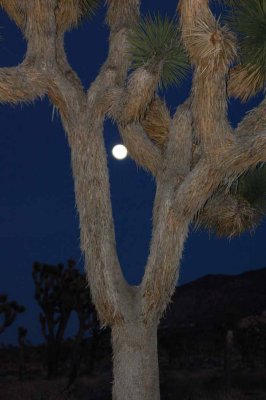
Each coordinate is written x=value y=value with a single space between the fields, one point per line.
x=211 y=49
x=40 y=32
x=223 y=212
x=45 y=54
x=21 y=84
x=125 y=104
x=140 y=147
x=176 y=209
x=156 y=122
x=64 y=66
x=130 y=103
x=145 y=139
x=128 y=107
x=108 y=287
x=83 y=120
x=227 y=215
x=64 y=86
x=121 y=16
x=254 y=122
x=168 y=234
x=68 y=14
x=16 y=11
x=26 y=81
x=243 y=154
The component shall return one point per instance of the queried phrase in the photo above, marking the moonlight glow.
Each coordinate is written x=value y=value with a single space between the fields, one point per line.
x=119 y=152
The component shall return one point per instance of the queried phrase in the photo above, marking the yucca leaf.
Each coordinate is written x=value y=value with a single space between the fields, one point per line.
x=252 y=187
x=154 y=42
x=248 y=19
x=88 y=7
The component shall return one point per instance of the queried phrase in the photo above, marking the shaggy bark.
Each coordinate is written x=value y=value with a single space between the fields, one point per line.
x=186 y=178
x=135 y=365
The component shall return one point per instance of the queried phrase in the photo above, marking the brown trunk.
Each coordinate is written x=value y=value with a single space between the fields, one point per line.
x=135 y=363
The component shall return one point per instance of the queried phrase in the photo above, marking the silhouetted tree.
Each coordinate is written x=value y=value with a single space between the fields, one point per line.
x=52 y=293
x=88 y=324
x=59 y=292
x=8 y=312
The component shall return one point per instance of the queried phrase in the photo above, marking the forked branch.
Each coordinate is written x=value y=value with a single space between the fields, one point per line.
x=211 y=48
x=176 y=209
x=84 y=124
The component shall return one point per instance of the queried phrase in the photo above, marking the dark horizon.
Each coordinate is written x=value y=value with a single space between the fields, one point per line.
x=72 y=326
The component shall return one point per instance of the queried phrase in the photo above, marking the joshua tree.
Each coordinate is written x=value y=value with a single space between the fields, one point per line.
x=59 y=292
x=198 y=160
x=53 y=295
x=8 y=312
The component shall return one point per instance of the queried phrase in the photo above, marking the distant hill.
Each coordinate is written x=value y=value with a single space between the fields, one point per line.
x=217 y=300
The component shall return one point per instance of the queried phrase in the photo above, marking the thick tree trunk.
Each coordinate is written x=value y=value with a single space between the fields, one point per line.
x=135 y=369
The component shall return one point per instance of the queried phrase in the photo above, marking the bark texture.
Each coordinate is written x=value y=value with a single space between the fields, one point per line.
x=194 y=156
x=135 y=362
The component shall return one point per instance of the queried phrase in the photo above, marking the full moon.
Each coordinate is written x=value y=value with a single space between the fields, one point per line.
x=119 y=152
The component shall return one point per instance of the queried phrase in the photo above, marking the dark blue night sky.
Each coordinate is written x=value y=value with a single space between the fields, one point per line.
x=38 y=220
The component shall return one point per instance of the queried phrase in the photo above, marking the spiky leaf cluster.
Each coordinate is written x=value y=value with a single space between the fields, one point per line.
x=248 y=19
x=239 y=210
x=88 y=7
x=252 y=187
x=71 y=12
x=155 y=43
